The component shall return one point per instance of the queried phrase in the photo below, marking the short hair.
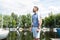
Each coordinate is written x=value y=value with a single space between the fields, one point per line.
x=36 y=7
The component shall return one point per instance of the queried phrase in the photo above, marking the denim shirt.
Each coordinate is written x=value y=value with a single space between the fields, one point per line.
x=35 y=20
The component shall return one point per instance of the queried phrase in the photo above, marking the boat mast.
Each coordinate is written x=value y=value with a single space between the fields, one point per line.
x=2 y=21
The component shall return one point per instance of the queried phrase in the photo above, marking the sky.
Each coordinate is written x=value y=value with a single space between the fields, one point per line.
x=21 y=7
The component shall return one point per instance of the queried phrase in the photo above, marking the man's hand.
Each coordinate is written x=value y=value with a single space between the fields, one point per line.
x=38 y=29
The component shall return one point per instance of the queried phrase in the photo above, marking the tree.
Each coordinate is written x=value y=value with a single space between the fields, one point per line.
x=52 y=20
x=23 y=20
x=28 y=20
x=6 y=20
x=14 y=19
x=57 y=20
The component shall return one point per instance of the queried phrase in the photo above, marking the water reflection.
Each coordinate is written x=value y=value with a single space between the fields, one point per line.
x=15 y=34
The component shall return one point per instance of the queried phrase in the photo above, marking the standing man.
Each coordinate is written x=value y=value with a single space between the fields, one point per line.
x=36 y=23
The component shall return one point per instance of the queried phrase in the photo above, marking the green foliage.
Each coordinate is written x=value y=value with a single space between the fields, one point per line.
x=23 y=20
x=26 y=19
x=13 y=20
x=58 y=19
x=52 y=20
x=6 y=20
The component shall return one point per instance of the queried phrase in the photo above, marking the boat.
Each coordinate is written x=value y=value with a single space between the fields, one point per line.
x=3 y=33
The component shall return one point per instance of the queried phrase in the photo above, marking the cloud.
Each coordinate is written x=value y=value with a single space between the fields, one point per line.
x=25 y=6
x=14 y=5
x=18 y=6
x=54 y=9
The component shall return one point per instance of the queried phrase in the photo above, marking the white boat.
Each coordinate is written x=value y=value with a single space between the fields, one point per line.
x=3 y=33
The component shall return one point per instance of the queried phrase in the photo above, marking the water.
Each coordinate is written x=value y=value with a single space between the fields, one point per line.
x=15 y=34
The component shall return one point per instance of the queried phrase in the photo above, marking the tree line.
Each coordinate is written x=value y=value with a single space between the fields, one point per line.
x=13 y=20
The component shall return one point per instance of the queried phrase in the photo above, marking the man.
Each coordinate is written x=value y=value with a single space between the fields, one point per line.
x=36 y=24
